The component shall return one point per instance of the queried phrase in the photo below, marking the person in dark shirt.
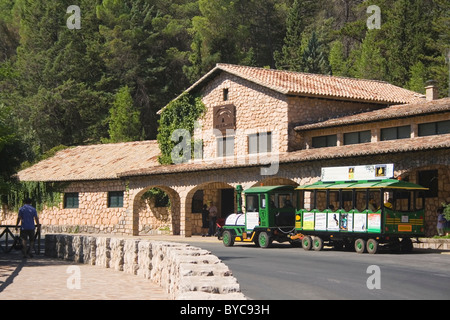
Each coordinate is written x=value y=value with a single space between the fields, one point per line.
x=27 y=216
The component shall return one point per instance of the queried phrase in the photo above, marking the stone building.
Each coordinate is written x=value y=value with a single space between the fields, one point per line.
x=262 y=127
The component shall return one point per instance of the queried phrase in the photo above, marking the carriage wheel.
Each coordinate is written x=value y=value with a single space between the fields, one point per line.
x=307 y=243
x=372 y=246
x=228 y=239
x=264 y=240
x=360 y=245
x=318 y=244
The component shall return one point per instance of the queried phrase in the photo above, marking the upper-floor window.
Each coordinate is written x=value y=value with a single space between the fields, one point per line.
x=324 y=141
x=71 y=200
x=225 y=147
x=115 y=199
x=432 y=128
x=394 y=133
x=357 y=137
x=260 y=142
x=225 y=94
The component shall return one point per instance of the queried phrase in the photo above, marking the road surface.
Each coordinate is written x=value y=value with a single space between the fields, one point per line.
x=284 y=272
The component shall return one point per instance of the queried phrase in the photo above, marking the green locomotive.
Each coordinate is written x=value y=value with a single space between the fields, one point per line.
x=269 y=216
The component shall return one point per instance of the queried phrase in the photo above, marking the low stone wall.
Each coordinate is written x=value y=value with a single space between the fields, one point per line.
x=185 y=272
x=430 y=243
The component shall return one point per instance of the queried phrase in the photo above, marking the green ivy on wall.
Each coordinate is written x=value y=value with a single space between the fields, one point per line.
x=181 y=113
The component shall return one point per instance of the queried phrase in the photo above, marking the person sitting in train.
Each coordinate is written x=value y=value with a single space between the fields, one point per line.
x=389 y=204
x=372 y=205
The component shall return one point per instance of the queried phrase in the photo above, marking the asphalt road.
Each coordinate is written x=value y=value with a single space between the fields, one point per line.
x=286 y=273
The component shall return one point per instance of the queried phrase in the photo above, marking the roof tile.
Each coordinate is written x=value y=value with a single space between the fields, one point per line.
x=297 y=83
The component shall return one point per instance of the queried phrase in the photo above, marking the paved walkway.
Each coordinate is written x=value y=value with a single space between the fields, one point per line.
x=50 y=279
x=53 y=279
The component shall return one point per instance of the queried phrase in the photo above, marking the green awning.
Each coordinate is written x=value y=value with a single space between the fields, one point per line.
x=263 y=189
x=376 y=184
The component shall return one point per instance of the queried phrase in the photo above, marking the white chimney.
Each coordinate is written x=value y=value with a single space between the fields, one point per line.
x=431 y=90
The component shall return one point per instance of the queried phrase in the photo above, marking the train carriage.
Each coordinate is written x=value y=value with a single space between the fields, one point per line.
x=360 y=214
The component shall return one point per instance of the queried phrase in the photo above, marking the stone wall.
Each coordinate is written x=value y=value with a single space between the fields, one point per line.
x=183 y=271
x=304 y=110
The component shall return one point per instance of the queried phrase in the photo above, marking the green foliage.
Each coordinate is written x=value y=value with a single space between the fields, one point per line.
x=446 y=211
x=244 y=32
x=338 y=62
x=162 y=199
x=43 y=194
x=124 y=123
x=370 y=64
x=314 y=59
x=181 y=113
x=300 y=15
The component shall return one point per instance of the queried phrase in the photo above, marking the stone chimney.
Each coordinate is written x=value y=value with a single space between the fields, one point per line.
x=431 y=90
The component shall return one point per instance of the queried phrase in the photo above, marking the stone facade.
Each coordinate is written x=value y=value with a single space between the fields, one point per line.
x=258 y=109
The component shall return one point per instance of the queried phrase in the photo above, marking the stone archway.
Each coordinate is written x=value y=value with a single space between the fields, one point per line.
x=275 y=181
x=213 y=192
x=436 y=198
x=151 y=218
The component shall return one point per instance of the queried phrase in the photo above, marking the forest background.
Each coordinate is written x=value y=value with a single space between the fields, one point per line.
x=104 y=82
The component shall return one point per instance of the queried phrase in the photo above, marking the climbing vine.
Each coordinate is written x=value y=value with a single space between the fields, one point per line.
x=181 y=113
x=43 y=194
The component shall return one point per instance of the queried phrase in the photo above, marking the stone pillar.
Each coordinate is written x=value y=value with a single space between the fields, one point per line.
x=185 y=212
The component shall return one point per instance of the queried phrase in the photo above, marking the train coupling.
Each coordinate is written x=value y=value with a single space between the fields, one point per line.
x=297 y=236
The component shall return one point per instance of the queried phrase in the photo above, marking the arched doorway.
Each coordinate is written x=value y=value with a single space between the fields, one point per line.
x=156 y=210
x=437 y=179
x=219 y=194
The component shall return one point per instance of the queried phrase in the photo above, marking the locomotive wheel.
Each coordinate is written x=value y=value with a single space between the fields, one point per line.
x=307 y=243
x=372 y=246
x=317 y=244
x=360 y=245
x=264 y=240
x=228 y=239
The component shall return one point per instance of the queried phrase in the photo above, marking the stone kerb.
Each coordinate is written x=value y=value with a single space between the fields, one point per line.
x=183 y=271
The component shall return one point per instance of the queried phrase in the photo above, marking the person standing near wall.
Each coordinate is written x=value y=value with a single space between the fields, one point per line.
x=205 y=214
x=441 y=222
x=27 y=216
x=212 y=219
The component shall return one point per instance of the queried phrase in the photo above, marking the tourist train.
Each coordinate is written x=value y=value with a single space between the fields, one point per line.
x=361 y=208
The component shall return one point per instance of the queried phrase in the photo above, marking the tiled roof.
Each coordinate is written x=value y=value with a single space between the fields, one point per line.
x=94 y=162
x=393 y=112
x=316 y=85
x=356 y=150
x=113 y=161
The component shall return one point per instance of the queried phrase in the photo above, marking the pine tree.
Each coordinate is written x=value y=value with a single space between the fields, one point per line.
x=124 y=123
x=338 y=62
x=314 y=59
x=370 y=63
x=299 y=17
x=418 y=77
x=408 y=30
